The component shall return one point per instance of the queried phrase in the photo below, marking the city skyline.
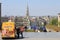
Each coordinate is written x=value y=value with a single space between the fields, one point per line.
x=36 y=7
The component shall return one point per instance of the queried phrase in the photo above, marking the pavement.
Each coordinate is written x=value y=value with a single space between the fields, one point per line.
x=41 y=39
x=34 y=38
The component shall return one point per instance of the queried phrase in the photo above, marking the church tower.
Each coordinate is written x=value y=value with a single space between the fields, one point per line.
x=27 y=11
x=27 y=18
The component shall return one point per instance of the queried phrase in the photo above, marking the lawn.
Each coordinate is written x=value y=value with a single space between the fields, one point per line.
x=54 y=27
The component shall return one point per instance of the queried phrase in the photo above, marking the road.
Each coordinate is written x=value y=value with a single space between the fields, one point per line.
x=38 y=36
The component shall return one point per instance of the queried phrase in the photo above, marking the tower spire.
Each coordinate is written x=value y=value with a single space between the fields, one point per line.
x=27 y=17
x=27 y=10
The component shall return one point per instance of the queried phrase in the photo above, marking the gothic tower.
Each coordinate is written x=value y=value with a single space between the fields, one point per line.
x=27 y=18
x=27 y=11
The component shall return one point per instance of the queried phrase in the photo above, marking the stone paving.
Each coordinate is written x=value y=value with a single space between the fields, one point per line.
x=34 y=38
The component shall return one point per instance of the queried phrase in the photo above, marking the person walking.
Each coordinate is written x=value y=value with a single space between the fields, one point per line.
x=18 y=31
x=22 y=28
x=25 y=28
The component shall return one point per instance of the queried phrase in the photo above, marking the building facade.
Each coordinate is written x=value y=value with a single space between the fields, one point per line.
x=0 y=15
x=58 y=19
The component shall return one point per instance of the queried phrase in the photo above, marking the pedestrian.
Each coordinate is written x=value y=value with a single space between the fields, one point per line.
x=18 y=31
x=26 y=28
x=44 y=29
x=22 y=30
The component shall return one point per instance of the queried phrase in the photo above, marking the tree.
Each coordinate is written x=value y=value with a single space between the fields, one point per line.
x=54 y=21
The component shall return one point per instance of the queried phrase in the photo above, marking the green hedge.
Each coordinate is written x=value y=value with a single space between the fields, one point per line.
x=29 y=31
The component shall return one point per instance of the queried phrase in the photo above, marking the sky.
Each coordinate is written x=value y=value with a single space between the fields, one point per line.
x=36 y=7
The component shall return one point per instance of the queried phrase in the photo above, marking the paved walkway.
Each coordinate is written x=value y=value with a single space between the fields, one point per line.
x=35 y=38
x=41 y=39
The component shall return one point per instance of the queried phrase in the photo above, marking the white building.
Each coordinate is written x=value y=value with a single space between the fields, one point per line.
x=58 y=19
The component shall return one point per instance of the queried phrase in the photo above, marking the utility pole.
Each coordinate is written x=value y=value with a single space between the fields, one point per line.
x=0 y=16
